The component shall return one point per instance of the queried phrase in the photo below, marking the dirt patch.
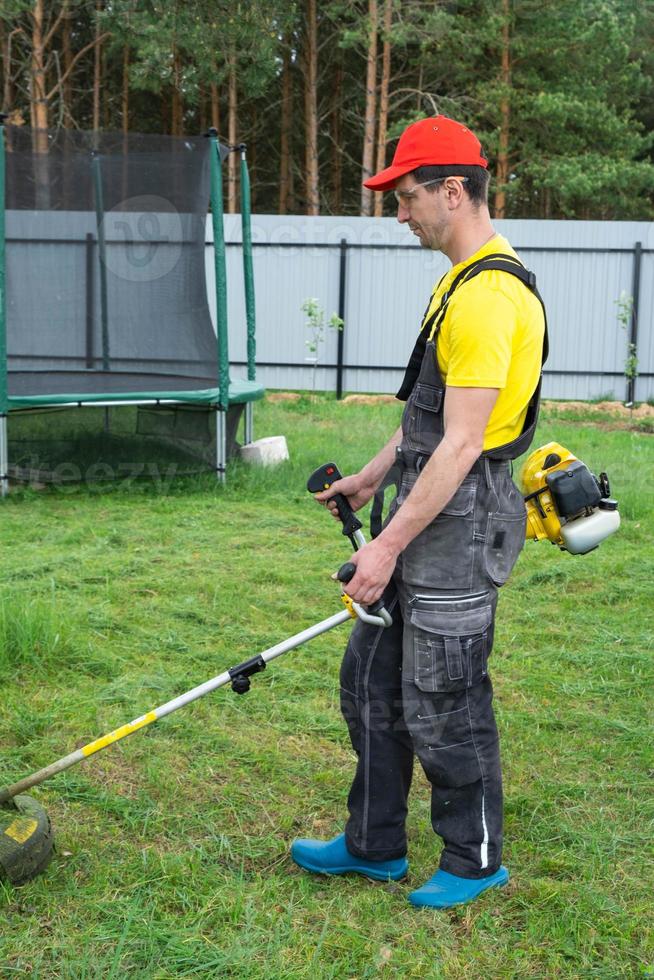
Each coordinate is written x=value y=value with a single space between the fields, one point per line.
x=283 y=396
x=369 y=399
x=611 y=408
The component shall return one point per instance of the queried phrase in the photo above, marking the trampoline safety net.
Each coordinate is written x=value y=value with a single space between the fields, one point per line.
x=106 y=305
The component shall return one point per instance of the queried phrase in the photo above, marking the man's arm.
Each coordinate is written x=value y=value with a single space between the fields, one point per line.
x=360 y=488
x=467 y=411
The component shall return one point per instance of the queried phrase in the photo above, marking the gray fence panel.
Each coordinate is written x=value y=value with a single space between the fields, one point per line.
x=645 y=385
x=386 y=298
x=580 y=291
x=582 y=269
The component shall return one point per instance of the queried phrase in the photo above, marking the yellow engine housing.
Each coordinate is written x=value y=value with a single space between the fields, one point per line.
x=543 y=521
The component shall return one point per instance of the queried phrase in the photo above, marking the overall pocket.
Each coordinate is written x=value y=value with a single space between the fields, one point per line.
x=425 y=398
x=428 y=397
x=445 y=745
x=450 y=641
x=442 y=556
x=505 y=537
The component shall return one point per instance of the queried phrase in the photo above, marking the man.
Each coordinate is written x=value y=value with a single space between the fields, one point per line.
x=455 y=531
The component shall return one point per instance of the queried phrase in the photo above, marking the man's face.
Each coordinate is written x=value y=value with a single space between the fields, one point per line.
x=424 y=210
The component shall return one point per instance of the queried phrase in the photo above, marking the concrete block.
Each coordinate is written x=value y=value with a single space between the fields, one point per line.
x=265 y=452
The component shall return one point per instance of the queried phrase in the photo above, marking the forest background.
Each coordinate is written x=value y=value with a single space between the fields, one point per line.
x=559 y=91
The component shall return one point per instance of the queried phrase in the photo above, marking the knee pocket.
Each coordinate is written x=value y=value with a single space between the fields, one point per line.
x=449 y=641
x=444 y=744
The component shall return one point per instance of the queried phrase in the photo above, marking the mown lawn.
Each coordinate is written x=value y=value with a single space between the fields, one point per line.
x=173 y=847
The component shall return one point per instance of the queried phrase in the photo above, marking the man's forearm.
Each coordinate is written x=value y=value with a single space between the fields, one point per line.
x=467 y=411
x=438 y=482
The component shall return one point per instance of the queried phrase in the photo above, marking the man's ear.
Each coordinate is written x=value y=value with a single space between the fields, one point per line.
x=454 y=193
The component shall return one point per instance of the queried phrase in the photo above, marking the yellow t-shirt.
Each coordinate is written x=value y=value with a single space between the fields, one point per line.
x=492 y=337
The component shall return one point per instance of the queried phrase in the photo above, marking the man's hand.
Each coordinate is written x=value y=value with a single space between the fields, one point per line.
x=361 y=487
x=352 y=487
x=375 y=564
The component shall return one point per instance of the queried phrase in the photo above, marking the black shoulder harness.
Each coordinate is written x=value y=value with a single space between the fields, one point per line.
x=496 y=261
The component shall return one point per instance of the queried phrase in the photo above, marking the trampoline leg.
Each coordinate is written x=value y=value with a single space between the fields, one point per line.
x=221 y=445
x=248 y=424
x=4 y=457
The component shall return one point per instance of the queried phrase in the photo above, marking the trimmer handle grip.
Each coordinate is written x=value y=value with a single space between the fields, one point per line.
x=345 y=573
x=322 y=479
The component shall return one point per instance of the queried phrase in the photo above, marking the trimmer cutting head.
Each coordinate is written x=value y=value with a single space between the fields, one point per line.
x=26 y=840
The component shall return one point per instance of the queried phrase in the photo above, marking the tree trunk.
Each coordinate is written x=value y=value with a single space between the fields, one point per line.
x=232 y=159
x=215 y=107
x=383 y=101
x=285 y=131
x=502 y=171
x=7 y=85
x=97 y=68
x=371 y=105
x=67 y=51
x=125 y=95
x=202 y=106
x=337 y=136
x=104 y=94
x=177 y=108
x=39 y=109
x=6 y=70
x=39 y=101
x=312 y=192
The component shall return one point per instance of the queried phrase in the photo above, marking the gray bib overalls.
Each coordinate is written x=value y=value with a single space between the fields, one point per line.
x=421 y=686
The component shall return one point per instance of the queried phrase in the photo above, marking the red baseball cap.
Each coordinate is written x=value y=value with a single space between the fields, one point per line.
x=428 y=143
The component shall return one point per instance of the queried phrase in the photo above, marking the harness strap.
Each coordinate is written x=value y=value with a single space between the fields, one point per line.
x=391 y=478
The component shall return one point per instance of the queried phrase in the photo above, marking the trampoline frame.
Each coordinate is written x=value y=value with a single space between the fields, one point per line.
x=222 y=402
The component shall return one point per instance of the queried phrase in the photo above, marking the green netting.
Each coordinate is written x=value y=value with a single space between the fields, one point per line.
x=106 y=303
x=98 y=444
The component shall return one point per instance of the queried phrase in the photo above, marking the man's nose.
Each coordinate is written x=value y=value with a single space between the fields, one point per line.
x=402 y=214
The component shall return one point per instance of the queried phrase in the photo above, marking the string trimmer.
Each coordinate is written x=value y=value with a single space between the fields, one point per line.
x=26 y=836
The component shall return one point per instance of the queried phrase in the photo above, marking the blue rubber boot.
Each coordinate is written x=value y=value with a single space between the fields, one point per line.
x=445 y=890
x=331 y=857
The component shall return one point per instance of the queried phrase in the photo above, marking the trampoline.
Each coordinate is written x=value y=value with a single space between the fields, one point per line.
x=102 y=253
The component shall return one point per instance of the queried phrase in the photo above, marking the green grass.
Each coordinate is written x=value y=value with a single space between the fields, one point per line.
x=173 y=847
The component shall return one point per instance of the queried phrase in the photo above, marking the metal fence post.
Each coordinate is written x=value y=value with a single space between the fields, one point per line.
x=342 y=275
x=102 y=255
x=633 y=332
x=90 y=300
x=4 y=395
